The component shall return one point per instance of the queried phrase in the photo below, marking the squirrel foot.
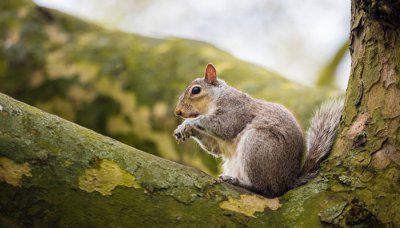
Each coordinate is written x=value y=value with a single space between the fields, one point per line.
x=229 y=179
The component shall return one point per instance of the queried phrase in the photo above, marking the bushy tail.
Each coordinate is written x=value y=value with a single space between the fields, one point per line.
x=320 y=138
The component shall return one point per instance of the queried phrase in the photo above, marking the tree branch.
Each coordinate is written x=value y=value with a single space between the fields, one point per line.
x=55 y=172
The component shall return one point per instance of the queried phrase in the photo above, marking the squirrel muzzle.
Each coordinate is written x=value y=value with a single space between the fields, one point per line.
x=178 y=112
x=183 y=114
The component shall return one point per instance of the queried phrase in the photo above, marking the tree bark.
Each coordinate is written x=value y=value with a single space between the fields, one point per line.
x=364 y=166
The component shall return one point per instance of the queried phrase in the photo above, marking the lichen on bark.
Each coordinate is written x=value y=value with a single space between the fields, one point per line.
x=105 y=178
x=11 y=172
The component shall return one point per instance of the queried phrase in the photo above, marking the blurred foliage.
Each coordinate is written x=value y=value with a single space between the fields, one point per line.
x=123 y=85
x=326 y=76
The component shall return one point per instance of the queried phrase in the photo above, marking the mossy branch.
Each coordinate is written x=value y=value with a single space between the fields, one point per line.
x=56 y=173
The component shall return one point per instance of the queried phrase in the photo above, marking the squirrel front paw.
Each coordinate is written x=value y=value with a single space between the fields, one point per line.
x=183 y=131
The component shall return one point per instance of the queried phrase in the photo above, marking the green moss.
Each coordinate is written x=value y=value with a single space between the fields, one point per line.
x=331 y=214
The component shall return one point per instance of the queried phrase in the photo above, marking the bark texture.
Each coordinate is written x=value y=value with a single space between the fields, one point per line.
x=365 y=162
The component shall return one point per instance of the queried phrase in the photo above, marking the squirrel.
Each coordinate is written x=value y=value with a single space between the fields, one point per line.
x=260 y=142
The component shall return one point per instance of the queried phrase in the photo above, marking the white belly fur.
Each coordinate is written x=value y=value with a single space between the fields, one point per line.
x=234 y=164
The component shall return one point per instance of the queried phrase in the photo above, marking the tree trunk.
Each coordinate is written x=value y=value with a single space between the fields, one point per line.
x=364 y=166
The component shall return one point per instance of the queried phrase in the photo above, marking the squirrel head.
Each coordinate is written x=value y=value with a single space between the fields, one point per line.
x=200 y=95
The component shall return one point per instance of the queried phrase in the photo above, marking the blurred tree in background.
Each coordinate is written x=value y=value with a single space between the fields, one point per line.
x=272 y=33
x=327 y=74
x=122 y=85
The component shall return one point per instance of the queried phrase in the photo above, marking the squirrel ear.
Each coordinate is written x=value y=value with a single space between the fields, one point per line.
x=210 y=75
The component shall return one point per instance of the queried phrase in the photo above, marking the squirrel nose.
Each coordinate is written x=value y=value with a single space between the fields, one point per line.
x=178 y=112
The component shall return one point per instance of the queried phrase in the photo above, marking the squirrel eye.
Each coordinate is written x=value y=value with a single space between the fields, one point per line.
x=196 y=90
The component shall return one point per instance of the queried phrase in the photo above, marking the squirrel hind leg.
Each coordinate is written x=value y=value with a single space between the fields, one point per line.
x=271 y=163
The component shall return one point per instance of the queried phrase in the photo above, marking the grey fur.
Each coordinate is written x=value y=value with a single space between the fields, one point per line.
x=260 y=142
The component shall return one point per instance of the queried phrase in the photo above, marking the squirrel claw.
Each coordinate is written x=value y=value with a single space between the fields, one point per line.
x=183 y=132
x=178 y=135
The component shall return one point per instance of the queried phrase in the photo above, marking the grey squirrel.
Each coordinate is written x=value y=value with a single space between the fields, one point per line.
x=260 y=142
